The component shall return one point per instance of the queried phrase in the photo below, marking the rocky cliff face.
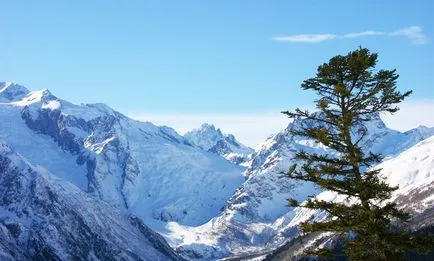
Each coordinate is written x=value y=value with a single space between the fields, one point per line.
x=44 y=218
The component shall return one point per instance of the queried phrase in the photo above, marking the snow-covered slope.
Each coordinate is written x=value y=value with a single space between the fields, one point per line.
x=44 y=218
x=135 y=166
x=208 y=138
x=256 y=214
x=412 y=171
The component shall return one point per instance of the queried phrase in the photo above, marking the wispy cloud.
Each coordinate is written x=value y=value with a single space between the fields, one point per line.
x=413 y=33
x=305 y=38
x=361 y=34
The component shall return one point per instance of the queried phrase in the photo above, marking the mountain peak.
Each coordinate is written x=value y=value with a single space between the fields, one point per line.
x=35 y=97
x=204 y=137
x=208 y=127
x=11 y=92
x=210 y=138
x=46 y=95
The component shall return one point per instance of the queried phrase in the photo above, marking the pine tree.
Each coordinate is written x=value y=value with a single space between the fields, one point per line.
x=350 y=92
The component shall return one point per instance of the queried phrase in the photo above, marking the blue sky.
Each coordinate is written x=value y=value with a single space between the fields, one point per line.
x=206 y=60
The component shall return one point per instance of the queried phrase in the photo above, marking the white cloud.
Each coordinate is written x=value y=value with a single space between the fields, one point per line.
x=361 y=34
x=414 y=33
x=250 y=129
x=305 y=38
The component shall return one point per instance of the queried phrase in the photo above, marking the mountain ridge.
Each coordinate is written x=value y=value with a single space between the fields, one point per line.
x=135 y=166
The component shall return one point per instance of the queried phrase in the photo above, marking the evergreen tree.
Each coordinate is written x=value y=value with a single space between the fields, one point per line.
x=350 y=92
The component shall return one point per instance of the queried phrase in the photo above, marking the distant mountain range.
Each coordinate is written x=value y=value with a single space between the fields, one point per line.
x=86 y=182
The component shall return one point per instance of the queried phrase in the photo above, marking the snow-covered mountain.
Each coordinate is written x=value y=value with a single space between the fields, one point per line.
x=208 y=138
x=204 y=205
x=412 y=171
x=137 y=167
x=256 y=218
x=44 y=218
